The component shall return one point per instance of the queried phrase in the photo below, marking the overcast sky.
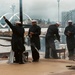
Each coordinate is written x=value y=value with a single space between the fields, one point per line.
x=45 y=9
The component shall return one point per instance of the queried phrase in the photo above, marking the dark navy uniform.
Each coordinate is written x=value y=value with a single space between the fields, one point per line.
x=51 y=35
x=70 y=39
x=17 y=41
x=35 y=39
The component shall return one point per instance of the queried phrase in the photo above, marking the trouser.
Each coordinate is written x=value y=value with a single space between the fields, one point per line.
x=18 y=56
x=35 y=54
x=70 y=45
x=71 y=52
x=50 y=49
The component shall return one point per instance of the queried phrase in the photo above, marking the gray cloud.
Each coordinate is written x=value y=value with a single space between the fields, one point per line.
x=38 y=8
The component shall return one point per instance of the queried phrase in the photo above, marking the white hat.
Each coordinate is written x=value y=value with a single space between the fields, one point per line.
x=35 y=21
x=18 y=22
x=57 y=23
x=69 y=20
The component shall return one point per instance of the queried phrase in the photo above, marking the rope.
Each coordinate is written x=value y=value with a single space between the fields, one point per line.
x=5 y=45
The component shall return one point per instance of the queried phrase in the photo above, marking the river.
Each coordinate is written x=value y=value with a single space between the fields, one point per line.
x=7 y=49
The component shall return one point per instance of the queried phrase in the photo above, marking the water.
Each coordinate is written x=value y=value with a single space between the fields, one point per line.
x=7 y=49
x=26 y=29
x=3 y=29
x=4 y=49
x=28 y=48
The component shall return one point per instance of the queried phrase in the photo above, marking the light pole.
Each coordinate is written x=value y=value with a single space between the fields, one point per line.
x=12 y=8
x=58 y=9
x=21 y=13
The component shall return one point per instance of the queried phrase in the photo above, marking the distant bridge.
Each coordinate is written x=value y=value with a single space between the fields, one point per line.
x=14 y=15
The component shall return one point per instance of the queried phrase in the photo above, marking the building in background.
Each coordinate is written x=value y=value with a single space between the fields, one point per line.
x=68 y=15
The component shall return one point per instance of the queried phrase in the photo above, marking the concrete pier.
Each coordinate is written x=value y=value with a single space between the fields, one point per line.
x=43 y=67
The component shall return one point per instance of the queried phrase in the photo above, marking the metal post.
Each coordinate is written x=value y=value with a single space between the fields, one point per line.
x=21 y=14
x=58 y=9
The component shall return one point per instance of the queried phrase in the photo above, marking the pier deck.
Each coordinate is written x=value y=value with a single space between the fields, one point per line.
x=43 y=67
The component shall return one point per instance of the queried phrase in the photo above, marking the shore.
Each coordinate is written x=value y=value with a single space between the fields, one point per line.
x=9 y=33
